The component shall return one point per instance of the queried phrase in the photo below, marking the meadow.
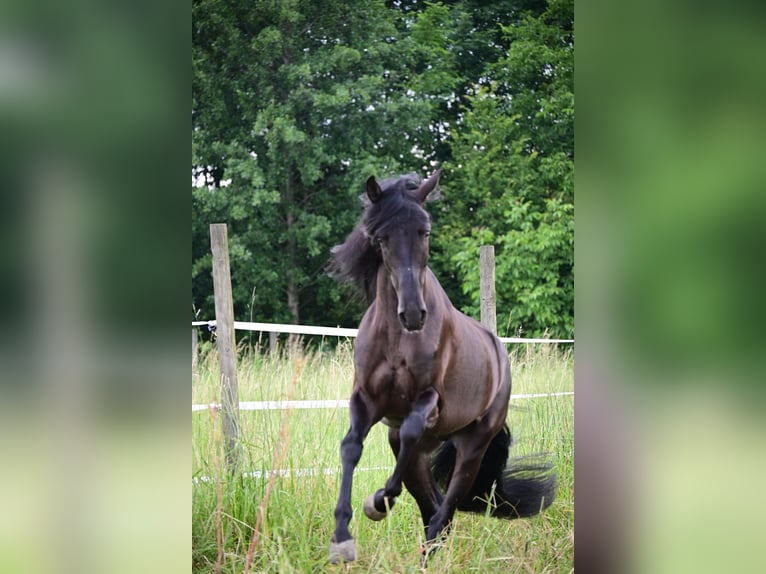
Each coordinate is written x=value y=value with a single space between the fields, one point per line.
x=290 y=511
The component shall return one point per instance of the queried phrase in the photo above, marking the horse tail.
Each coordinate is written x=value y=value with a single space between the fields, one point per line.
x=508 y=489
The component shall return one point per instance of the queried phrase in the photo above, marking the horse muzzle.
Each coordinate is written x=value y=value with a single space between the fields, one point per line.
x=411 y=307
x=413 y=319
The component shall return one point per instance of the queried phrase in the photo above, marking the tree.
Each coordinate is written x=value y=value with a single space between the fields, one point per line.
x=516 y=152
x=294 y=104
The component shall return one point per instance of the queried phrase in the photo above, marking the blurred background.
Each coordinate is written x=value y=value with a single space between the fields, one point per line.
x=94 y=285
x=669 y=245
x=94 y=151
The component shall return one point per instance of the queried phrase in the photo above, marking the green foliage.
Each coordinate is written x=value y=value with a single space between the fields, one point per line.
x=515 y=148
x=295 y=104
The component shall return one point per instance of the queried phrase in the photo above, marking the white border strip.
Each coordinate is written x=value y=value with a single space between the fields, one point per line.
x=339 y=331
x=339 y=404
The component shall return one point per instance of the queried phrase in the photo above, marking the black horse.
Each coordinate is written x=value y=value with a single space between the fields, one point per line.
x=439 y=379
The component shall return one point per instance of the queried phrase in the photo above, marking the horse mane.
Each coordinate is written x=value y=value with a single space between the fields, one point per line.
x=356 y=261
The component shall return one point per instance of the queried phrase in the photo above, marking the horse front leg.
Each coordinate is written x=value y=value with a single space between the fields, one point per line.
x=342 y=547
x=422 y=416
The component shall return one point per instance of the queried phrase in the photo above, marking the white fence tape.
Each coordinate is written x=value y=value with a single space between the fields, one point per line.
x=339 y=404
x=338 y=331
x=277 y=405
x=287 y=473
x=301 y=472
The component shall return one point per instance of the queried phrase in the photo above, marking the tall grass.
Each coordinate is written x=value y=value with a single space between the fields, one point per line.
x=296 y=509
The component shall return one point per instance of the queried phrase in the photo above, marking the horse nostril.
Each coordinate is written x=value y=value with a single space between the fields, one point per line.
x=414 y=320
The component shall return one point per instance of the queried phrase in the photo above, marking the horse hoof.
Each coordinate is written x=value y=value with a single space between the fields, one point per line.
x=342 y=551
x=370 y=510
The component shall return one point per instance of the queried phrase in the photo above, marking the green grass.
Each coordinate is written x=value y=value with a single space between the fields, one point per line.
x=298 y=519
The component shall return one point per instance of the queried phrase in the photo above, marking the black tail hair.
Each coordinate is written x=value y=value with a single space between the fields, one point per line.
x=510 y=489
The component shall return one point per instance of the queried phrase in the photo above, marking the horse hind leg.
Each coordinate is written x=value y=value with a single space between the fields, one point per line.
x=418 y=477
x=420 y=483
x=409 y=434
x=470 y=448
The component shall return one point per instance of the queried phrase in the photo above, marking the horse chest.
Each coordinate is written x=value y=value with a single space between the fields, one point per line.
x=394 y=369
x=403 y=378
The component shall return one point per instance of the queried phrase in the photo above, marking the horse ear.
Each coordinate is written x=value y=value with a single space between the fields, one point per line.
x=427 y=186
x=373 y=189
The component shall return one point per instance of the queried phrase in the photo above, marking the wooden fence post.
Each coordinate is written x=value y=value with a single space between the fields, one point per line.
x=487 y=287
x=195 y=349
x=224 y=322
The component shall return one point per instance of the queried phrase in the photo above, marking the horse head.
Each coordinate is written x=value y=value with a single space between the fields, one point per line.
x=399 y=227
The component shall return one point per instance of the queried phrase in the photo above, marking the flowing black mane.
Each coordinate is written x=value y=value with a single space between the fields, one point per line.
x=357 y=259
